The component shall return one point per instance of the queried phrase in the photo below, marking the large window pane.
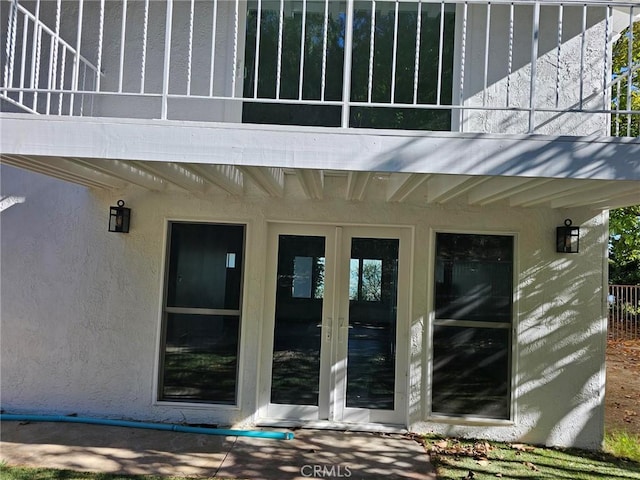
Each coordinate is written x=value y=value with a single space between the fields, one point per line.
x=471 y=371
x=200 y=358
x=373 y=299
x=267 y=74
x=323 y=71
x=474 y=277
x=205 y=266
x=296 y=347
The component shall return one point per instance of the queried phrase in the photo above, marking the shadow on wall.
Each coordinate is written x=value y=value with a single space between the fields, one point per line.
x=561 y=344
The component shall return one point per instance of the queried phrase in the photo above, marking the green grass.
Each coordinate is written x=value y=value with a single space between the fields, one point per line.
x=623 y=444
x=480 y=460
x=26 y=473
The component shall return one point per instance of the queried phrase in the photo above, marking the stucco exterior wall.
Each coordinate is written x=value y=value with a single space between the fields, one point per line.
x=81 y=307
x=558 y=82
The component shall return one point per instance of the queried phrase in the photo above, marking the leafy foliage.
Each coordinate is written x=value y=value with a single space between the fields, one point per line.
x=625 y=67
x=624 y=246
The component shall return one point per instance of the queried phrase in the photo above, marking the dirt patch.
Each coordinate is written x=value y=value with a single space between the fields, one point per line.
x=622 y=402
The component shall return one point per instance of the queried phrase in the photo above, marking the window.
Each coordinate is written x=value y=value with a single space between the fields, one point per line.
x=201 y=314
x=472 y=327
x=282 y=64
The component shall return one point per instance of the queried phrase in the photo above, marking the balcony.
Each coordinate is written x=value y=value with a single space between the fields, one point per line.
x=515 y=67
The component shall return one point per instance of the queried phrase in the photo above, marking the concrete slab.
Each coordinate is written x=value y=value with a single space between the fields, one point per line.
x=312 y=454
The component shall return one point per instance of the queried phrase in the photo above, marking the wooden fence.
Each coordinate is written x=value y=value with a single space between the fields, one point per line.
x=624 y=312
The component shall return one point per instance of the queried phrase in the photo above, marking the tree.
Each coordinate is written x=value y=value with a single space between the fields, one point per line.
x=624 y=246
x=626 y=76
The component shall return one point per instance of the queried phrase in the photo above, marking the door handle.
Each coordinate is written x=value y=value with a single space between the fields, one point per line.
x=344 y=327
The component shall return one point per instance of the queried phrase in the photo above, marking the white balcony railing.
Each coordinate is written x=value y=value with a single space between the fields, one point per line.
x=477 y=66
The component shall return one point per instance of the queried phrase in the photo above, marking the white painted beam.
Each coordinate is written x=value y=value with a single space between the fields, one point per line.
x=585 y=187
x=547 y=192
x=443 y=188
x=123 y=170
x=605 y=158
x=312 y=182
x=609 y=191
x=401 y=185
x=632 y=198
x=227 y=177
x=357 y=183
x=175 y=174
x=63 y=169
x=499 y=188
x=270 y=180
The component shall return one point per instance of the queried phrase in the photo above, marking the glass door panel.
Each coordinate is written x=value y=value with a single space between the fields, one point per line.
x=295 y=376
x=371 y=351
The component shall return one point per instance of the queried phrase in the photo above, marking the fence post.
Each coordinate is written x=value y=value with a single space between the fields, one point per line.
x=167 y=59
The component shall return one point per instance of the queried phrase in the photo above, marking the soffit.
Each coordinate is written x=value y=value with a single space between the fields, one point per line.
x=316 y=185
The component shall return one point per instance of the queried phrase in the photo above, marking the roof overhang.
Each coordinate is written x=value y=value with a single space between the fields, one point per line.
x=523 y=170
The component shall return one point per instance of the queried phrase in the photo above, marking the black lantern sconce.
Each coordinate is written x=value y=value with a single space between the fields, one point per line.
x=119 y=218
x=567 y=238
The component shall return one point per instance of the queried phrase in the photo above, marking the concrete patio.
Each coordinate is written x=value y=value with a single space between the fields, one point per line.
x=311 y=454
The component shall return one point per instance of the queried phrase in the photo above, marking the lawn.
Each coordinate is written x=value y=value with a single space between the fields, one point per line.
x=480 y=460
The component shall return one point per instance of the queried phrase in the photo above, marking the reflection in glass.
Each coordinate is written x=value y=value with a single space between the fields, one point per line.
x=297 y=336
x=200 y=358
x=471 y=371
x=205 y=266
x=474 y=277
x=372 y=323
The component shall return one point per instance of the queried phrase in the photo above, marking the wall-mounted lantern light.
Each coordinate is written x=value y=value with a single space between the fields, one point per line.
x=119 y=217
x=567 y=238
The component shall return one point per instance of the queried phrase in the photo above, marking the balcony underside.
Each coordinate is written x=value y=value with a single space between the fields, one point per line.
x=422 y=168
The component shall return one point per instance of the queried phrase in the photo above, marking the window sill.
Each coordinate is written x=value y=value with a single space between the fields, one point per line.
x=196 y=406
x=470 y=421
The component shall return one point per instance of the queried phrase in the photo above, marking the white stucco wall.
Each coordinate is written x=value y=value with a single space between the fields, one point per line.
x=80 y=306
x=558 y=74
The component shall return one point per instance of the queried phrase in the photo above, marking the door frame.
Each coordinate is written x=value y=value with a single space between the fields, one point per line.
x=332 y=396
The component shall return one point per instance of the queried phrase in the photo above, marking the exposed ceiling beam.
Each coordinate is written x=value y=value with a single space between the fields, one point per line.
x=401 y=185
x=64 y=170
x=227 y=177
x=547 y=192
x=584 y=189
x=357 y=183
x=124 y=170
x=312 y=182
x=499 y=188
x=269 y=179
x=608 y=192
x=442 y=188
x=632 y=198
x=176 y=174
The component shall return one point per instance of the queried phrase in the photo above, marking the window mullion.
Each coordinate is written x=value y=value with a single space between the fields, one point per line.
x=447 y=322
x=202 y=311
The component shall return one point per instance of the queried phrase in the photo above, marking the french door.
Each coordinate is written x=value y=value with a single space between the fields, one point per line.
x=336 y=327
